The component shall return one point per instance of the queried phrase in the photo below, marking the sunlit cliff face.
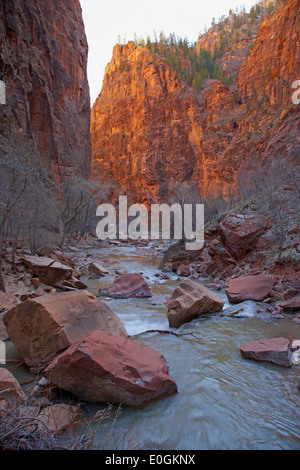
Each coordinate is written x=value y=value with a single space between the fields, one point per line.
x=149 y=130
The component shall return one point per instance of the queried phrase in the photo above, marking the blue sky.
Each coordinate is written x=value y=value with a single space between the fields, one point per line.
x=105 y=21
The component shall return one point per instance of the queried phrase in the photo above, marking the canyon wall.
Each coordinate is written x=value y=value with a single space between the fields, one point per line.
x=149 y=129
x=43 y=62
x=145 y=126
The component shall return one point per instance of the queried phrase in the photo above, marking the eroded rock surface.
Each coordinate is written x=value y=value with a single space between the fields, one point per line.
x=42 y=327
x=275 y=350
x=189 y=301
x=105 y=368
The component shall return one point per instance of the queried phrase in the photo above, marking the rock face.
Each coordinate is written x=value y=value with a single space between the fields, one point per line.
x=147 y=121
x=249 y=288
x=150 y=129
x=42 y=327
x=127 y=286
x=277 y=351
x=271 y=65
x=189 y=301
x=43 y=62
x=104 y=368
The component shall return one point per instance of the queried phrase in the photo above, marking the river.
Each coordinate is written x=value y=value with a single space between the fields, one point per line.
x=224 y=401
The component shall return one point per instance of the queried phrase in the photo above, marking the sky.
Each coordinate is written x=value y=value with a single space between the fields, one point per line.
x=106 y=20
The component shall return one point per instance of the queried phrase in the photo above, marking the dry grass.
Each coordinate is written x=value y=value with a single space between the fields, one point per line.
x=21 y=431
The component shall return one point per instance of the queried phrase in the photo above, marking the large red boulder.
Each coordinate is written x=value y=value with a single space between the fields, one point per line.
x=127 y=286
x=240 y=232
x=276 y=350
x=190 y=300
x=42 y=327
x=48 y=271
x=249 y=288
x=101 y=367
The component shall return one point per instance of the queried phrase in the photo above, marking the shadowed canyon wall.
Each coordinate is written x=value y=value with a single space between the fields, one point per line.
x=43 y=62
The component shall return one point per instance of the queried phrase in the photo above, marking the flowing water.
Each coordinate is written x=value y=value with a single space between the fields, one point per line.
x=224 y=401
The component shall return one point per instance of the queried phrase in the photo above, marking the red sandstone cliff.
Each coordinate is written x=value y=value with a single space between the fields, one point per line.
x=145 y=125
x=43 y=61
x=273 y=63
x=150 y=130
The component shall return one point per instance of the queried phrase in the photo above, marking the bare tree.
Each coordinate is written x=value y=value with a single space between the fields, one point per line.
x=27 y=201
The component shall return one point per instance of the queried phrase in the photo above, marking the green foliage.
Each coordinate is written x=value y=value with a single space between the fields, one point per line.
x=270 y=8
x=253 y=13
x=191 y=68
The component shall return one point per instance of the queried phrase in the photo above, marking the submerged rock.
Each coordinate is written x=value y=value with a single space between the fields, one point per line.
x=42 y=327
x=276 y=350
x=189 y=301
x=243 y=288
x=127 y=286
x=101 y=367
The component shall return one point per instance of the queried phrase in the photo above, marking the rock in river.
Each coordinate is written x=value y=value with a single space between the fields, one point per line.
x=42 y=327
x=189 y=301
x=291 y=304
x=249 y=288
x=101 y=367
x=127 y=286
x=276 y=350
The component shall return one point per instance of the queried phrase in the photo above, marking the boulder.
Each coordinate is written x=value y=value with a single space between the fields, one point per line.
x=49 y=271
x=276 y=350
x=240 y=232
x=127 y=286
x=10 y=389
x=183 y=270
x=97 y=270
x=42 y=327
x=191 y=300
x=58 y=418
x=101 y=367
x=243 y=288
x=291 y=304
